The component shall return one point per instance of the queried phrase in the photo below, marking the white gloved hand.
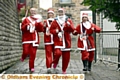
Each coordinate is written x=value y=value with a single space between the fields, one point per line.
x=83 y=37
x=44 y=24
x=32 y=28
x=93 y=28
x=60 y=34
x=57 y=30
x=28 y=27
x=47 y=31
x=68 y=23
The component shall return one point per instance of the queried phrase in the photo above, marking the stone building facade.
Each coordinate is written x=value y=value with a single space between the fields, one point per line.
x=32 y=3
x=10 y=36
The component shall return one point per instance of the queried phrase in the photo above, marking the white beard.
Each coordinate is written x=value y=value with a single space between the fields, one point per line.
x=37 y=16
x=87 y=25
x=61 y=19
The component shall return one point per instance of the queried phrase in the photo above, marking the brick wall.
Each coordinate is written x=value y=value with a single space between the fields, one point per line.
x=10 y=37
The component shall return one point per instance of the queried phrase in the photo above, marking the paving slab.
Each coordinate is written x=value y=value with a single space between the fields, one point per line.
x=100 y=71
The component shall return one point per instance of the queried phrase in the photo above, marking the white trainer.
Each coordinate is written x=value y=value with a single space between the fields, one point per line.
x=49 y=70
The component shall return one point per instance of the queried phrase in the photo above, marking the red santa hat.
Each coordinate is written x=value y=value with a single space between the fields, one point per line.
x=84 y=15
x=50 y=11
x=62 y=9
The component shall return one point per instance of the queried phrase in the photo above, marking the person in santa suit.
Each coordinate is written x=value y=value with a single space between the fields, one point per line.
x=48 y=39
x=30 y=27
x=86 y=42
x=61 y=28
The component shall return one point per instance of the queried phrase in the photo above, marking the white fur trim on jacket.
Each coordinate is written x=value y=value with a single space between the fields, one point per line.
x=87 y=24
x=66 y=49
x=51 y=40
x=34 y=41
x=47 y=31
x=63 y=39
x=84 y=41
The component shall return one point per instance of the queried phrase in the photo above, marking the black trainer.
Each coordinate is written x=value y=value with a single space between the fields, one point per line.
x=85 y=65
x=89 y=65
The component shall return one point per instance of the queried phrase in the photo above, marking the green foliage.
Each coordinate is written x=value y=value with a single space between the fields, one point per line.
x=110 y=8
x=22 y=14
x=117 y=26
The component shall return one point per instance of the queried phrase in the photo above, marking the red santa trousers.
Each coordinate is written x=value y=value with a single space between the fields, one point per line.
x=91 y=56
x=87 y=55
x=29 y=49
x=57 y=55
x=49 y=51
x=65 y=60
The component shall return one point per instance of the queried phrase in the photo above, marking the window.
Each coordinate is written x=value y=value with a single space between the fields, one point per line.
x=65 y=1
x=21 y=1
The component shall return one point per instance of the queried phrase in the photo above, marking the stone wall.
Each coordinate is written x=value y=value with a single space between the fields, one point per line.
x=10 y=36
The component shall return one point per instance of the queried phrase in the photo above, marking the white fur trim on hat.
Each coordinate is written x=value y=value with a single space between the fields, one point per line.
x=84 y=15
x=61 y=9
x=50 y=11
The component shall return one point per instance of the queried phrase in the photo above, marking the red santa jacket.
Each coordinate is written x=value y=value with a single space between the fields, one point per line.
x=48 y=39
x=27 y=35
x=87 y=44
x=65 y=43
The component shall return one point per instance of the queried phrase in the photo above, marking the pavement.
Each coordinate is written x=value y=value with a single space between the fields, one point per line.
x=100 y=70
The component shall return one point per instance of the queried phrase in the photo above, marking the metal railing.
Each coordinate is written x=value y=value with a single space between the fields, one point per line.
x=109 y=45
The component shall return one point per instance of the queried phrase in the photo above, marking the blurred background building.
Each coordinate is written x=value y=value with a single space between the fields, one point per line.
x=72 y=7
